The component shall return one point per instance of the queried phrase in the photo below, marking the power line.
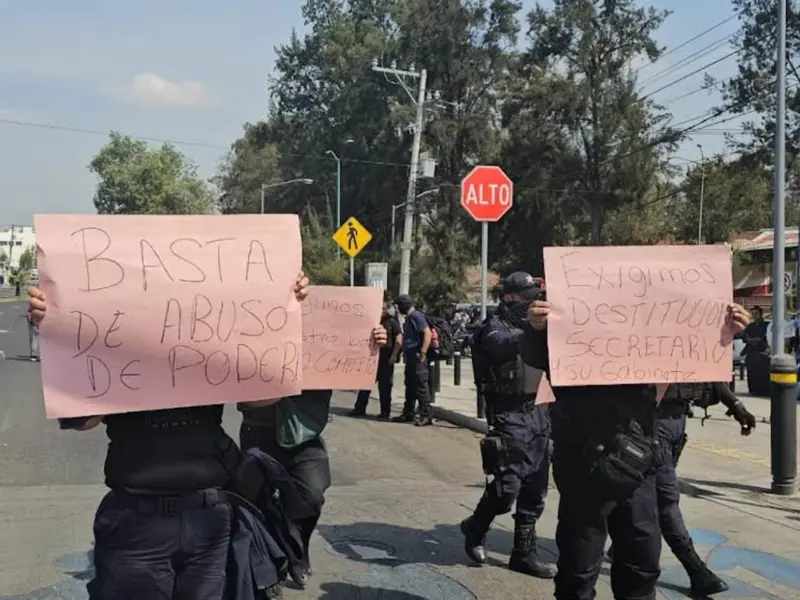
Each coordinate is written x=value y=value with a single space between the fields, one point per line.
x=188 y=143
x=689 y=59
x=692 y=74
x=689 y=41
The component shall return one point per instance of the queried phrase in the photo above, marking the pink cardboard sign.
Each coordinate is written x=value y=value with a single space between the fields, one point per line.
x=639 y=314
x=544 y=395
x=337 y=334
x=154 y=312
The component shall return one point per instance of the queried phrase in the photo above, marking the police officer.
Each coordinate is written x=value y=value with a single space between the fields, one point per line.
x=417 y=337
x=603 y=446
x=516 y=450
x=162 y=532
x=290 y=431
x=672 y=439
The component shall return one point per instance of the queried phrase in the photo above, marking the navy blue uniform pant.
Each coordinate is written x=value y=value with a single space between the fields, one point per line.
x=161 y=548
x=385 y=379
x=526 y=475
x=671 y=434
x=417 y=387
x=308 y=465
x=586 y=516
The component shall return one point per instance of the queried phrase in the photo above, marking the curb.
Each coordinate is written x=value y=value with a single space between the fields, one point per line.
x=12 y=299
x=456 y=418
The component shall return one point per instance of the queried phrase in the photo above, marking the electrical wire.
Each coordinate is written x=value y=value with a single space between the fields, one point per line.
x=690 y=40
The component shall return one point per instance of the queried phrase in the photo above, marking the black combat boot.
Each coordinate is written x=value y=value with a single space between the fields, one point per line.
x=274 y=592
x=475 y=529
x=524 y=556
x=703 y=582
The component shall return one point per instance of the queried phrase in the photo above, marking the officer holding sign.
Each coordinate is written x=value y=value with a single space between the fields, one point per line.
x=604 y=440
x=163 y=530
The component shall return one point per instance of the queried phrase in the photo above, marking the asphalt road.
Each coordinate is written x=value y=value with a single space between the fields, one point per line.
x=389 y=529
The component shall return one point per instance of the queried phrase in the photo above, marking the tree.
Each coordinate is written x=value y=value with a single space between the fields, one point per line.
x=250 y=164
x=752 y=90
x=27 y=260
x=736 y=197
x=136 y=179
x=3 y=259
x=580 y=53
x=319 y=255
x=18 y=278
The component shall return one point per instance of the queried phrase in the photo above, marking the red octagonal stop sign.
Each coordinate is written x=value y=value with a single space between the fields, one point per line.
x=487 y=193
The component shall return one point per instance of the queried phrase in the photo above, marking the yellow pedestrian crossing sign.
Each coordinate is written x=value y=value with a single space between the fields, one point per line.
x=352 y=237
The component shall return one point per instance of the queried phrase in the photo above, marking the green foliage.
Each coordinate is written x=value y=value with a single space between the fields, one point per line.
x=560 y=111
x=737 y=196
x=18 y=277
x=3 y=259
x=136 y=179
x=319 y=252
x=27 y=260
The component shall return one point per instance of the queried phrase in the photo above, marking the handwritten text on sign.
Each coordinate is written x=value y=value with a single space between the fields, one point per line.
x=639 y=314
x=337 y=334
x=153 y=312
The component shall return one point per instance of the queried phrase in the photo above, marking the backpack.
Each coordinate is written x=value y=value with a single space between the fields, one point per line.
x=442 y=342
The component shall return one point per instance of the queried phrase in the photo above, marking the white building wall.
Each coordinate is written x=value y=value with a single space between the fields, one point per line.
x=14 y=240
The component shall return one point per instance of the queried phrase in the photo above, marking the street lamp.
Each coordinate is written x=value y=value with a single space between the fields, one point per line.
x=402 y=204
x=338 y=191
x=266 y=186
x=702 y=192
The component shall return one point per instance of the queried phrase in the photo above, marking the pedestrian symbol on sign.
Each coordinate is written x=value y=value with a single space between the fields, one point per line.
x=352 y=236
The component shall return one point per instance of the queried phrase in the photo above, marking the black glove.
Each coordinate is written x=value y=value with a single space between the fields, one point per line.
x=744 y=417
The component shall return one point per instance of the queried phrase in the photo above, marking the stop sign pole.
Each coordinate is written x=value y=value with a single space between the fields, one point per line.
x=487 y=194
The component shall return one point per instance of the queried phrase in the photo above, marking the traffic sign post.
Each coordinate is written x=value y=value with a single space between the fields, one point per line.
x=487 y=194
x=352 y=237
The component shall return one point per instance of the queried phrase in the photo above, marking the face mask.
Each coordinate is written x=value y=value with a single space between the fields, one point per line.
x=518 y=310
x=403 y=308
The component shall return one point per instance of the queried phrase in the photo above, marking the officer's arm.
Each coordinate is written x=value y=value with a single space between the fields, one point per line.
x=500 y=343
x=725 y=395
x=533 y=348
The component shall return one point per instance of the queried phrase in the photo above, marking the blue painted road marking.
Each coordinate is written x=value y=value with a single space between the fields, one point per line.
x=725 y=558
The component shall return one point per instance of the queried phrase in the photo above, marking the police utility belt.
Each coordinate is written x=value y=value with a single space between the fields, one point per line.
x=621 y=464
x=512 y=386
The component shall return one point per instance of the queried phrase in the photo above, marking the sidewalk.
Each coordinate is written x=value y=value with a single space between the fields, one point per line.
x=725 y=477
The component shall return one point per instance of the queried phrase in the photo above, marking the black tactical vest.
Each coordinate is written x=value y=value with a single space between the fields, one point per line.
x=172 y=451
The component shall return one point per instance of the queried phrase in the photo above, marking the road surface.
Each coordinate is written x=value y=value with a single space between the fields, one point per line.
x=389 y=530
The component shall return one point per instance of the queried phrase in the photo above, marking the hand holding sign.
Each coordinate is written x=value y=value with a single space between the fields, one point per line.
x=154 y=312
x=639 y=314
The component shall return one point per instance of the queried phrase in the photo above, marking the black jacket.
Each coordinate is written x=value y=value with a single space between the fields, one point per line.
x=595 y=413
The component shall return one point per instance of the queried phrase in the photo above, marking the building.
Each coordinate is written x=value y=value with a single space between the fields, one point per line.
x=14 y=240
x=752 y=269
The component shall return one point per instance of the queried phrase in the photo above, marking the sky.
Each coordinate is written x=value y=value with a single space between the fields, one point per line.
x=195 y=71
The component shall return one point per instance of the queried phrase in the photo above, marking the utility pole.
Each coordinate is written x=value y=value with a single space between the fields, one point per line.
x=783 y=368
x=399 y=77
x=702 y=194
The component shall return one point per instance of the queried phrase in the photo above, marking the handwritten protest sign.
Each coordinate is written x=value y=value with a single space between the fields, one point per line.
x=639 y=314
x=337 y=332
x=153 y=312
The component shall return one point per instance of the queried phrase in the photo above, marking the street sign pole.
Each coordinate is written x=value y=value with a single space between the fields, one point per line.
x=352 y=277
x=487 y=194
x=484 y=267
